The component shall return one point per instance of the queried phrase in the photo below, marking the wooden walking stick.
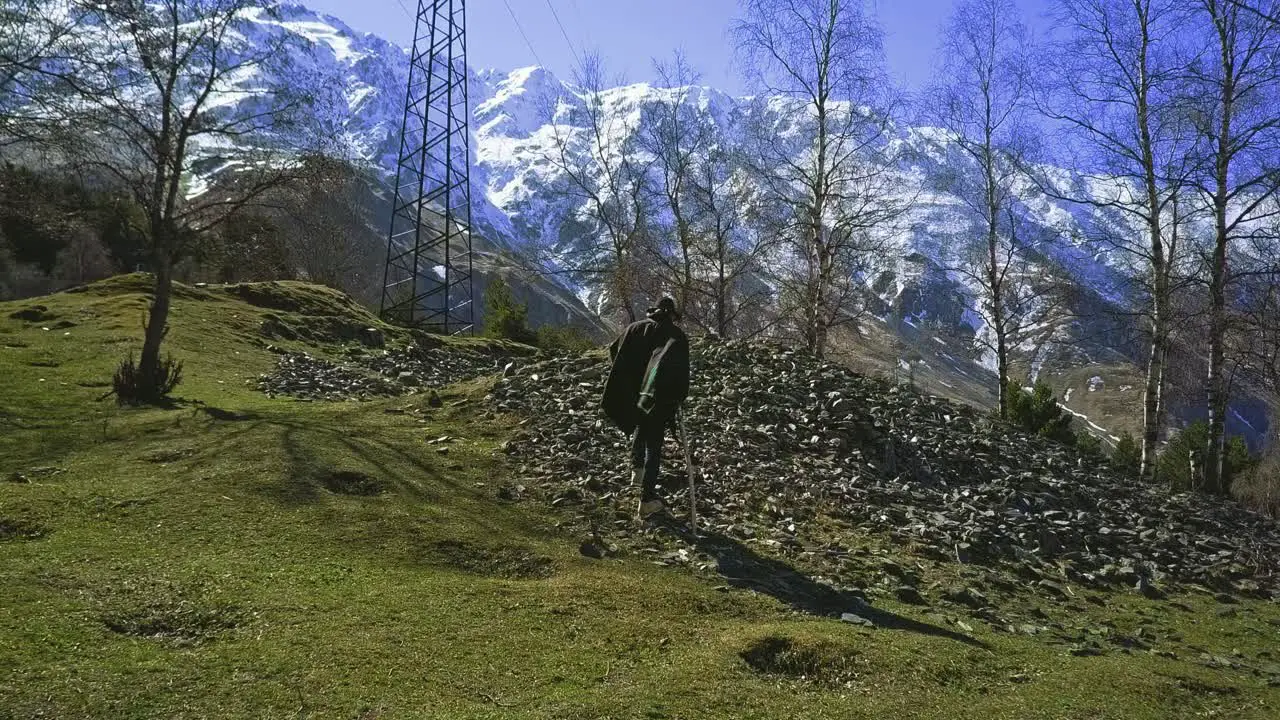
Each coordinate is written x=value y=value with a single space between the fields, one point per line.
x=691 y=471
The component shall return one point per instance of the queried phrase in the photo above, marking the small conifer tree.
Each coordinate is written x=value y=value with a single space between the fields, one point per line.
x=1088 y=444
x=504 y=316
x=1038 y=412
x=1126 y=458
x=1175 y=461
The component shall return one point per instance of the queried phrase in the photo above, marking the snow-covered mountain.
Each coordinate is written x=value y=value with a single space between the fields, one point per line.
x=517 y=204
x=514 y=178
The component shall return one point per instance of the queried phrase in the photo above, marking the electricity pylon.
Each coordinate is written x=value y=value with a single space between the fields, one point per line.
x=427 y=282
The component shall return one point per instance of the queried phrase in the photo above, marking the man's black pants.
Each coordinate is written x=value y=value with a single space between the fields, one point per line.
x=646 y=452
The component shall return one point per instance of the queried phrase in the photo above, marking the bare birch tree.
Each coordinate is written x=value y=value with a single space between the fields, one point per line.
x=1114 y=84
x=154 y=92
x=676 y=138
x=825 y=116
x=984 y=100
x=732 y=246
x=1233 y=93
x=601 y=169
x=1270 y=14
x=704 y=250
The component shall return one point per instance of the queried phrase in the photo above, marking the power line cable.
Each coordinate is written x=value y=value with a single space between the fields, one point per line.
x=522 y=33
x=412 y=16
x=572 y=50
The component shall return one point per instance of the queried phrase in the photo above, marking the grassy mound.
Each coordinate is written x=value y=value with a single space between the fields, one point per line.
x=197 y=562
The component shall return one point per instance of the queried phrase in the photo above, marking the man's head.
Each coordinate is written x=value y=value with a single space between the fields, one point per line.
x=666 y=310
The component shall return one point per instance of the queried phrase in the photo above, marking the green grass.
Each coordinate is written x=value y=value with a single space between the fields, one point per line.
x=322 y=560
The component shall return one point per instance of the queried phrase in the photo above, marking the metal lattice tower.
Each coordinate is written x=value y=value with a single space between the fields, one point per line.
x=427 y=283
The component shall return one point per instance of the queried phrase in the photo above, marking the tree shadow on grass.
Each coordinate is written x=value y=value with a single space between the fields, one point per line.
x=744 y=568
x=403 y=465
x=221 y=415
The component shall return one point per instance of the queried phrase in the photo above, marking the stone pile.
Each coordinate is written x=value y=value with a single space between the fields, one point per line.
x=305 y=377
x=366 y=375
x=795 y=452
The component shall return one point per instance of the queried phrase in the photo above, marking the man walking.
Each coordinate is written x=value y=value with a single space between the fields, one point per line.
x=647 y=384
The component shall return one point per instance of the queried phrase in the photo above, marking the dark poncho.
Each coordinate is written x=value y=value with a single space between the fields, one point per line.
x=652 y=356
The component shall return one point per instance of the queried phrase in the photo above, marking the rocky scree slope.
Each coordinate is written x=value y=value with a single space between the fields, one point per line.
x=367 y=374
x=801 y=458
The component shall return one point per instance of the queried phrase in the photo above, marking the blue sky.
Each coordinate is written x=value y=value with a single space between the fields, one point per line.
x=628 y=33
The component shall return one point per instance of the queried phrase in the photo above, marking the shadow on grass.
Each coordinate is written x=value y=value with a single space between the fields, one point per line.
x=396 y=458
x=51 y=433
x=216 y=413
x=306 y=448
x=744 y=568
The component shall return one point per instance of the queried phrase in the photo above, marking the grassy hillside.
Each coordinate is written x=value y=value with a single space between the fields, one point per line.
x=244 y=557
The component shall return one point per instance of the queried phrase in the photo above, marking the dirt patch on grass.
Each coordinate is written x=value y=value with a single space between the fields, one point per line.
x=510 y=562
x=34 y=473
x=820 y=662
x=352 y=482
x=163 y=612
x=32 y=313
x=18 y=528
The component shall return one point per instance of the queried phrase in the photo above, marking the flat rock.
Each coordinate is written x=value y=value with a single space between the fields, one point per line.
x=854 y=619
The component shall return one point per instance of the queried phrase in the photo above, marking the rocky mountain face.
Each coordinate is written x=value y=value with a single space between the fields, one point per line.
x=519 y=203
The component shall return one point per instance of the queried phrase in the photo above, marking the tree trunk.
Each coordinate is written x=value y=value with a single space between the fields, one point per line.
x=1153 y=395
x=811 y=312
x=156 y=329
x=686 y=286
x=823 y=316
x=822 y=332
x=1151 y=412
x=621 y=284
x=1223 y=154
x=1161 y=404
x=995 y=281
x=1216 y=385
x=995 y=287
x=1002 y=367
x=1154 y=392
x=818 y=342
x=722 y=300
x=811 y=315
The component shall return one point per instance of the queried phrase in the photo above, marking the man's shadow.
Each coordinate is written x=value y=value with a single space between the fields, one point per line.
x=744 y=568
